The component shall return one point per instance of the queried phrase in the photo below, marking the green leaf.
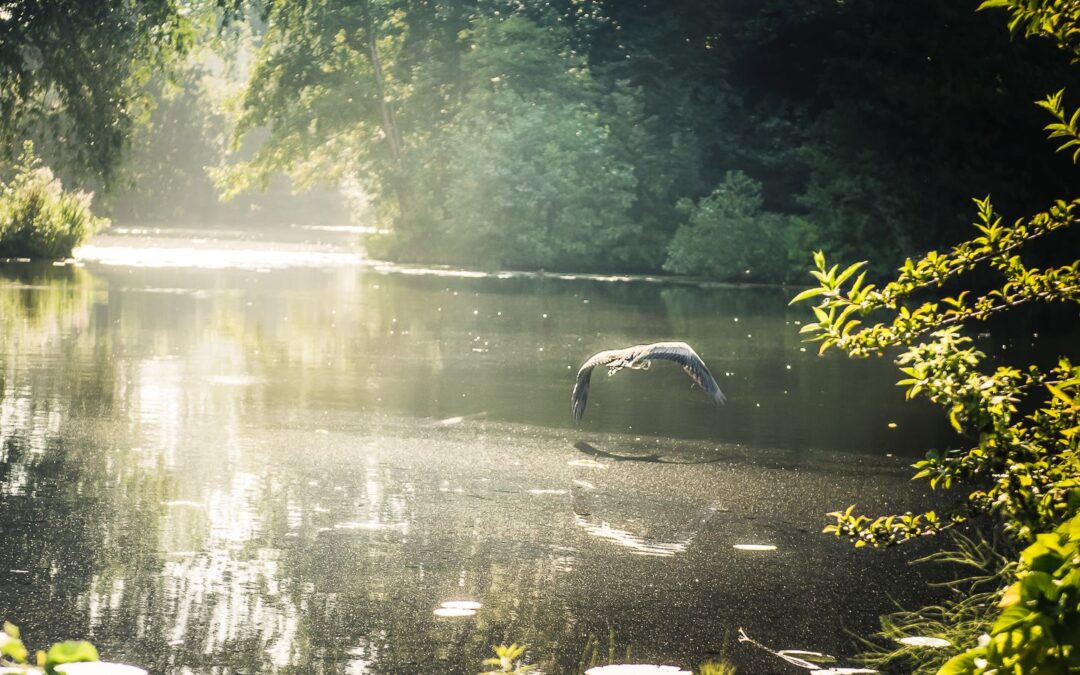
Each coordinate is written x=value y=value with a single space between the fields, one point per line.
x=1011 y=618
x=845 y=313
x=808 y=293
x=954 y=421
x=961 y=664
x=71 y=651
x=14 y=649
x=854 y=267
x=1057 y=394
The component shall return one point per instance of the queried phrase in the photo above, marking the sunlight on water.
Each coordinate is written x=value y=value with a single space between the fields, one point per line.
x=209 y=258
x=638 y=545
x=462 y=604
x=253 y=462
x=347 y=229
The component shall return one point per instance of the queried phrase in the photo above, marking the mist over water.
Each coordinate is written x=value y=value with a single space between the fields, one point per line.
x=252 y=453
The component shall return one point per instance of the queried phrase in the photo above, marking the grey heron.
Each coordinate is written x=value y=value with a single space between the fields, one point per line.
x=640 y=357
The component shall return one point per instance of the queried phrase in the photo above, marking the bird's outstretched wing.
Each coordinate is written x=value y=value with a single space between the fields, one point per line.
x=684 y=355
x=584 y=375
x=679 y=352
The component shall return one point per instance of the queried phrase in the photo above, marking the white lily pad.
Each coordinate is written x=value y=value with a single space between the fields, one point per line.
x=462 y=604
x=924 y=641
x=636 y=669
x=98 y=668
x=454 y=612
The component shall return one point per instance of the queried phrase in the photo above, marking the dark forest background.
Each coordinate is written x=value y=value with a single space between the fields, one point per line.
x=720 y=138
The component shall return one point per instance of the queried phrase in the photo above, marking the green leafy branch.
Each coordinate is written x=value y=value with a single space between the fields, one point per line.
x=839 y=304
x=1054 y=19
x=1064 y=127
x=886 y=530
x=1026 y=470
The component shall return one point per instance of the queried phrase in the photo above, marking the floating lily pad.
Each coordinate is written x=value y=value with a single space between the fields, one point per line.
x=462 y=604
x=924 y=641
x=636 y=669
x=98 y=668
x=454 y=612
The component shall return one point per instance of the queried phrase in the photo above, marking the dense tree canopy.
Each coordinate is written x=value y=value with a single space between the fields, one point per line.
x=72 y=75
x=564 y=134
x=567 y=134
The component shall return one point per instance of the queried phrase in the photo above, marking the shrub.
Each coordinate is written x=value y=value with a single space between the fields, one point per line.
x=537 y=185
x=727 y=236
x=38 y=218
x=1020 y=463
x=1038 y=630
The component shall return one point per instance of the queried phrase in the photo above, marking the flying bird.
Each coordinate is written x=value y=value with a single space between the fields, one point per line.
x=640 y=357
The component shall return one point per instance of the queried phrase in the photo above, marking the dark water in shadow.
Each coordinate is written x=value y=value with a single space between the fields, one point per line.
x=289 y=469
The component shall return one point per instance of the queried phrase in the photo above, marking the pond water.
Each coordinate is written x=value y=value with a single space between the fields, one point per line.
x=253 y=453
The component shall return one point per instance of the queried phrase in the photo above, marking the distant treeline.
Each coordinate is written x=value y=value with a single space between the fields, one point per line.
x=718 y=138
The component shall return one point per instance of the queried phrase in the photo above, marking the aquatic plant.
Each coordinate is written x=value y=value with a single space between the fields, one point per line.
x=38 y=218
x=920 y=641
x=716 y=668
x=1038 y=629
x=507 y=660
x=594 y=654
x=815 y=662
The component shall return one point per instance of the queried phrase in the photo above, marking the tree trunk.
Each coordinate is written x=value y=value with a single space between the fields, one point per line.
x=386 y=108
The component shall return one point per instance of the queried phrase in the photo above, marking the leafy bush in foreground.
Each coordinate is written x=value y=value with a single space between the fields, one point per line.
x=1038 y=630
x=1021 y=463
x=38 y=218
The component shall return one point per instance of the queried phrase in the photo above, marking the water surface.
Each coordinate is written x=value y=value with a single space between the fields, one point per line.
x=220 y=454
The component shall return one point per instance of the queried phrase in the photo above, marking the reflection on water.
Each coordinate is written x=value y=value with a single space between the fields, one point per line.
x=641 y=545
x=234 y=470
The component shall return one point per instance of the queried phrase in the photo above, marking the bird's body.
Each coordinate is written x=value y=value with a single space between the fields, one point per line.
x=640 y=357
